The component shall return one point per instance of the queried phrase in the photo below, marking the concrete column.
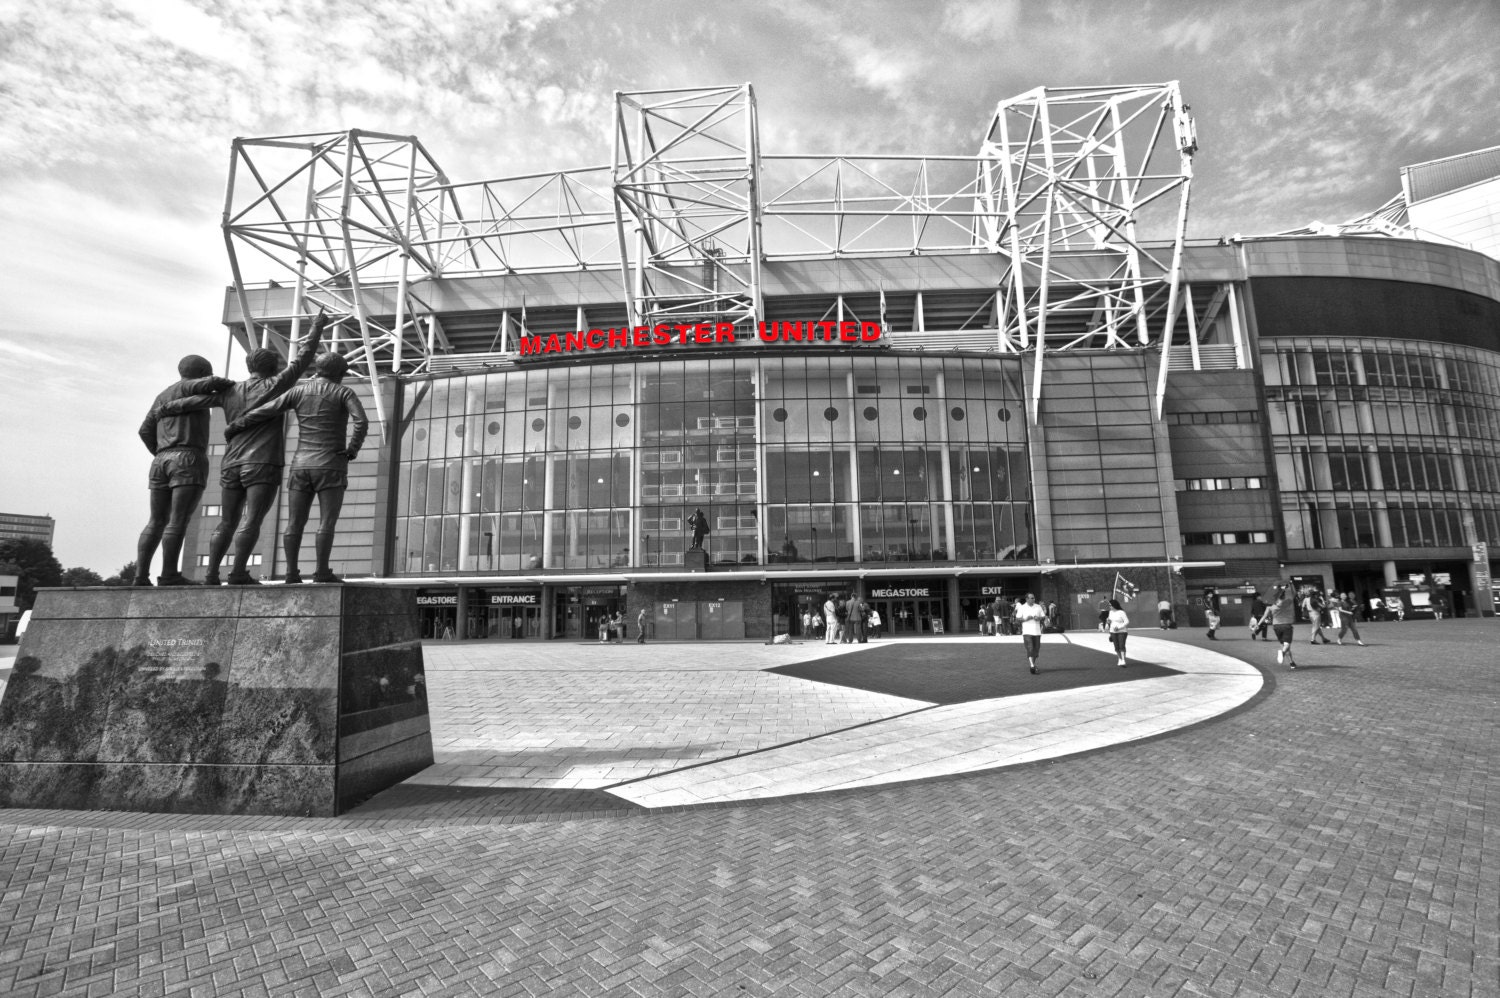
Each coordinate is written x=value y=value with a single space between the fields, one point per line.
x=1389 y=569
x=955 y=612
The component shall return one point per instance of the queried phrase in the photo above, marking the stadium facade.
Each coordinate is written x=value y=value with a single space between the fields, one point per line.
x=927 y=379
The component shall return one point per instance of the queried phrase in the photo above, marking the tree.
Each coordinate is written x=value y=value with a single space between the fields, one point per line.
x=81 y=577
x=123 y=577
x=34 y=563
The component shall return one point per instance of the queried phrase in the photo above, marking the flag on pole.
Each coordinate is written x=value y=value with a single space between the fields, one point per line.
x=1125 y=591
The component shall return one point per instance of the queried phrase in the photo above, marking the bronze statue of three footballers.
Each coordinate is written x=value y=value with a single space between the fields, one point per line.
x=176 y=432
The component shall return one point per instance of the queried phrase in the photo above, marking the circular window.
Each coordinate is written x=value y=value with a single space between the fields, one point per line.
x=958 y=414
x=574 y=422
x=493 y=428
x=537 y=424
x=1004 y=415
x=919 y=413
x=871 y=413
x=830 y=414
x=421 y=434
x=458 y=431
x=779 y=415
x=622 y=420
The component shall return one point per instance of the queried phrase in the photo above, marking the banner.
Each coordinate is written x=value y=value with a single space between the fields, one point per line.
x=1125 y=591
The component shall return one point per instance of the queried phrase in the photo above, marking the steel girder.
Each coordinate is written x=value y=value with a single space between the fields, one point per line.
x=1068 y=186
x=687 y=204
x=1077 y=174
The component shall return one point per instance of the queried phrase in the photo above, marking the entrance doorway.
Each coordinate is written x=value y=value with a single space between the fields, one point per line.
x=437 y=620
x=907 y=617
x=579 y=610
x=513 y=622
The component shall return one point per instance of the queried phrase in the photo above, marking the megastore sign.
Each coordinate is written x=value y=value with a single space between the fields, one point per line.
x=700 y=334
x=920 y=592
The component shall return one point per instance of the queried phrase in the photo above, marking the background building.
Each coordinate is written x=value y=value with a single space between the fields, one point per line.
x=20 y=527
x=9 y=612
x=1065 y=395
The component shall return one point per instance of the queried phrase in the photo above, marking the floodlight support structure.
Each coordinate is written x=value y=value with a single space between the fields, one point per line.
x=1065 y=184
x=686 y=185
x=1064 y=177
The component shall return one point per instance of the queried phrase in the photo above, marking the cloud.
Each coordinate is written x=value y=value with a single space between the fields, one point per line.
x=988 y=20
x=119 y=115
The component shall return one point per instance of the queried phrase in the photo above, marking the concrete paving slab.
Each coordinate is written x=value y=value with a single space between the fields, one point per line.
x=1335 y=835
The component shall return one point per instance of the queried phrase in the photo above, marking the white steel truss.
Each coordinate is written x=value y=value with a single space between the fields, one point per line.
x=1074 y=188
x=1070 y=179
x=687 y=207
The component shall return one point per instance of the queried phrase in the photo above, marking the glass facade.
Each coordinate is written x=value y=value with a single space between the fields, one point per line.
x=803 y=459
x=1384 y=443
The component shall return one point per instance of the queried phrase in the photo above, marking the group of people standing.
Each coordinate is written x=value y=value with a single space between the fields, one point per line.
x=614 y=628
x=844 y=619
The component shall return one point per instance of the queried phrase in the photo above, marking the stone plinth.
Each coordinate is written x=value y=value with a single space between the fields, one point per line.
x=294 y=700
x=695 y=560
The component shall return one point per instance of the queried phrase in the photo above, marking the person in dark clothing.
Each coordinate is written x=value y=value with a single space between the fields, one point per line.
x=857 y=613
x=325 y=409
x=1259 y=619
x=178 y=442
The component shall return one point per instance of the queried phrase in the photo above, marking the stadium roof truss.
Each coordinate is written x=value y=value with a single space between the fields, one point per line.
x=1082 y=191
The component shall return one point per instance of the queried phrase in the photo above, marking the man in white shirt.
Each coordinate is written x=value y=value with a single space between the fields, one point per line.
x=1031 y=616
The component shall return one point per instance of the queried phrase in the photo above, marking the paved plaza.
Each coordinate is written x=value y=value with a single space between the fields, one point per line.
x=680 y=819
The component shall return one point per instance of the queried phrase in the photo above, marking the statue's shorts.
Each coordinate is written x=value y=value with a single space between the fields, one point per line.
x=316 y=480
x=242 y=476
x=178 y=467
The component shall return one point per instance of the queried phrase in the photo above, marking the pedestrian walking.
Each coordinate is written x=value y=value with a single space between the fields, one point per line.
x=1029 y=615
x=1312 y=606
x=1343 y=618
x=830 y=621
x=874 y=623
x=984 y=620
x=841 y=613
x=640 y=627
x=1164 y=614
x=621 y=627
x=1259 y=621
x=1283 y=614
x=1213 y=621
x=1104 y=615
x=1118 y=623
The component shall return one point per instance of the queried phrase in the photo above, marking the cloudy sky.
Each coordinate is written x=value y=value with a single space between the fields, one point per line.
x=118 y=116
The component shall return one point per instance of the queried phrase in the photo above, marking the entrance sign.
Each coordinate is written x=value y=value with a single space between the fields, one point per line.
x=516 y=599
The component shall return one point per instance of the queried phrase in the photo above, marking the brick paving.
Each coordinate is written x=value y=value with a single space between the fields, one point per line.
x=1332 y=837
